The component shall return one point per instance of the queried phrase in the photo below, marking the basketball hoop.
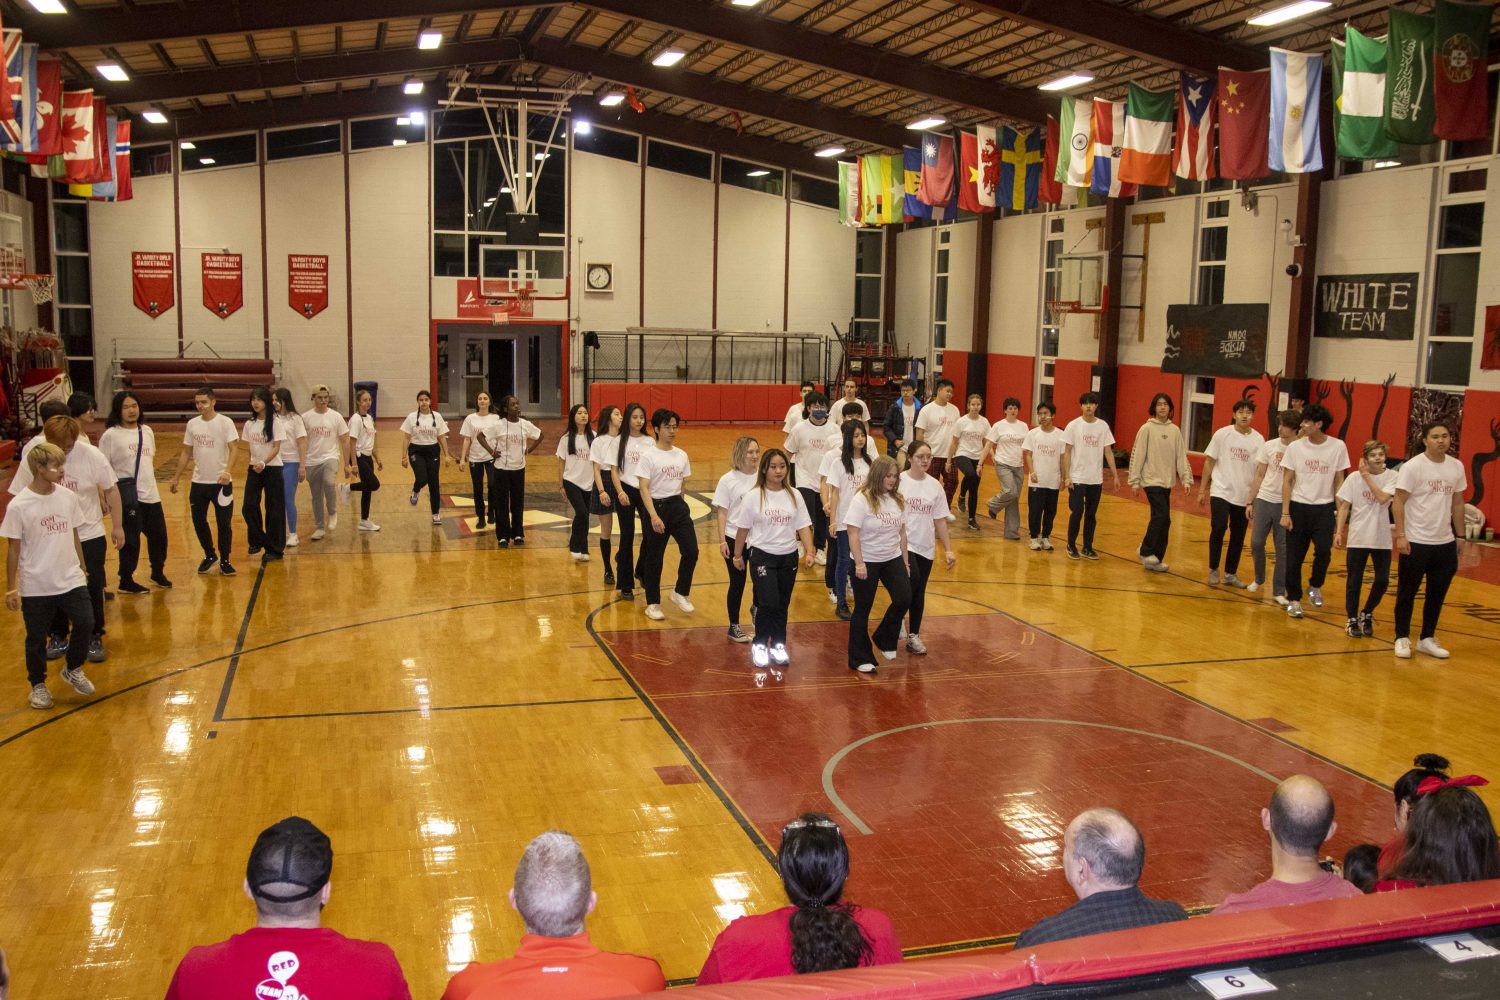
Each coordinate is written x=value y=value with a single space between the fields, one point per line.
x=13 y=275
x=525 y=296
x=1061 y=308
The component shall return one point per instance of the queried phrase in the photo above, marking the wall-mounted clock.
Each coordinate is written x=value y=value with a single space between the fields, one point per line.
x=599 y=278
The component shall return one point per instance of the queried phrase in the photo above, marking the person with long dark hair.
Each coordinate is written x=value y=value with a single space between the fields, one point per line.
x=1429 y=511
x=732 y=486
x=1157 y=460
x=1426 y=765
x=876 y=523
x=663 y=472
x=361 y=462
x=130 y=447
x=842 y=475
x=926 y=525
x=626 y=473
x=1450 y=837
x=818 y=932
x=474 y=433
x=424 y=435
x=768 y=522
x=969 y=433
x=602 y=500
x=263 y=481
x=575 y=472
x=293 y=456
x=514 y=439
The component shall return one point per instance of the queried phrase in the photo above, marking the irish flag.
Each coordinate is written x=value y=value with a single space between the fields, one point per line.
x=1147 y=154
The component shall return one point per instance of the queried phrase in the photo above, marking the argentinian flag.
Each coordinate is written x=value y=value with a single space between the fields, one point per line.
x=1296 y=97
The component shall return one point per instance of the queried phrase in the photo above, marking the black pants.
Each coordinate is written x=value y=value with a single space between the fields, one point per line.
x=678 y=521
x=41 y=615
x=1312 y=524
x=1041 y=510
x=968 y=485
x=735 y=595
x=268 y=534
x=1436 y=564
x=891 y=573
x=147 y=519
x=772 y=578
x=1083 y=508
x=201 y=497
x=1380 y=561
x=508 y=504
x=367 y=484
x=1223 y=514
x=94 y=550
x=1159 y=498
x=625 y=555
x=578 y=538
x=921 y=569
x=814 y=501
x=482 y=476
x=426 y=460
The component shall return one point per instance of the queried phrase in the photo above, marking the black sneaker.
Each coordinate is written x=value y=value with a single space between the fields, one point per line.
x=609 y=577
x=207 y=565
x=1091 y=554
x=160 y=579
x=254 y=550
x=225 y=568
x=97 y=653
x=1073 y=553
x=1367 y=625
x=479 y=524
x=504 y=543
x=973 y=524
x=271 y=557
x=131 y=587
x=1352 y=629
x=57 y=647
x=627 y=594
x=843 y=611
x=736 y=634
x=518 y=540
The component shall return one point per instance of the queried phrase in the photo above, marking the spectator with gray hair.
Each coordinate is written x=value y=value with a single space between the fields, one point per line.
x=553 y=893
x=1103 y=854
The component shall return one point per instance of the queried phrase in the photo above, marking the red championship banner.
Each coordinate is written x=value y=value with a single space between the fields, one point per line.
x=307 y=283
x=474 y=305
x=223 y=283
x=151 y=277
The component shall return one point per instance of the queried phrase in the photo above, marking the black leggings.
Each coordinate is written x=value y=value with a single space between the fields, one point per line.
x=482 y=477
x=1312 y=524
x=625 y=554
x=1222 y=515
x=426 y=460
x=814 y=501
x=1380 y=560
x=508 y=503
x=1041 y=510
x=578 y=538
x=893 y=574
x=268 y=534
x=735 y=596
x=773 y=577
x=147 y=519
x=921 y=569
x=677 y=520
x=367 y=484
x=1436 y=564
x=968 y=485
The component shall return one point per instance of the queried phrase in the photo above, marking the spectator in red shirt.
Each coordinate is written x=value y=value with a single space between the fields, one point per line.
x=555 y=960
x=1450 y=838
x=1427 y=765
x=289 y=953
x=817 y=932
x=1299 y=819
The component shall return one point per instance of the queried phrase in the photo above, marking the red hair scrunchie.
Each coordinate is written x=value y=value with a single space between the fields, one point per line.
x=1430 y=785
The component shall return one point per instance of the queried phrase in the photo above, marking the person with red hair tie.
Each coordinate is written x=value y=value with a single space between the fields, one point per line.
x=1450 y=837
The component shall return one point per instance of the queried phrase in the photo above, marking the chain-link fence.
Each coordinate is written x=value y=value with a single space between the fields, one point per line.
x=688 y=356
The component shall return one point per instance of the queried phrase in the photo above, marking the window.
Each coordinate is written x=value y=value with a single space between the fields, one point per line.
x=608 y=142
x=1455 y=278
x=679 y=159
x=150 y=161
x=1213 y=252
x=1406 y=156
x=1050 y=335
x=815 y=191
x=869 y=271
x=224 y=151
x=73 y=301
x=940 y=299
x=311 y=140
x=1199 y=424
x=752 y=176
x=378 y=133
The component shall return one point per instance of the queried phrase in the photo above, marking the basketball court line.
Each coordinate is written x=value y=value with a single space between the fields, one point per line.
x=422 y=709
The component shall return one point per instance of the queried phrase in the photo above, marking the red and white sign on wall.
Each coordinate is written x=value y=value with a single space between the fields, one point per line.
x=152 y=280
x=307 y=283
x=472 y=304
x=223 y=283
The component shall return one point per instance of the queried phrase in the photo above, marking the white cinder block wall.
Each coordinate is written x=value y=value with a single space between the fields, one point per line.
x=679 y=250
x=144 y=223
x=606 y=222
x=752 y=260
x=820 y=289
x=221 y=211
x=1016 y=284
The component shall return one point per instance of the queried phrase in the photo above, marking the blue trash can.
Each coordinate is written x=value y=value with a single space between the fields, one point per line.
x=374 y=390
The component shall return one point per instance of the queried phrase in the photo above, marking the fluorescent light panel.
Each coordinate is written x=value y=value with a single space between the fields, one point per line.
x=758 y=173
x=412 y=87
x=581 y=126
x=429 y=39
x=188 y=145
x=418 y=118
x=154 y=117
x=207 y=161
x=827 y=151
x=112 y=71
x=1290 y=12
x=398 y=142
x=744 y=3
x=48 y=6
x=1067 y=82
x=931 y=121
x=671 y=57
x=611 y=99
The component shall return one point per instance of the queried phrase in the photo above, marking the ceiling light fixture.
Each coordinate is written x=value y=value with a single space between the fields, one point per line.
x=48 y=6
x=398 y=142
x=505 y=190
x=154 y=117
x=412 y=87
x=1067 y=82
x=429 y=39
x=929 y=121
x=1290 y=12
x=744 y=3
x=1387 y=163
x=112 y=71
x=207 y=161
x=418 y=118
x=671 y=57
x=758 y=173
x=541 y=156
x=403 y=120
x=827 y=151
x=611 y=99
x=188 y=145
x=581 y=126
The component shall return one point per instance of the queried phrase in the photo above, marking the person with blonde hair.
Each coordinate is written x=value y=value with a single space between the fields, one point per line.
x=876 y=523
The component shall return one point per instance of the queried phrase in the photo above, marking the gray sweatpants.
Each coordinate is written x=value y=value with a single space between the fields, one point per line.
x=1268 y=522
x=323 y=481
x=1009 y=498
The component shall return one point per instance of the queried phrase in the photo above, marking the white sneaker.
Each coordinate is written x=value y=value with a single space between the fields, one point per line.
x=901 y=636
x=821 y=558
x=1213 y=578
x=653 y=612
x=1230 y=580
x=889 y=654
x=1035 y=545
x=1430 y=646
x=1158 y=567
x=778 y=653
x=1253 y=587
x=915 y=644
x=1315 y=596
x=1149 y=561
x=578 y=557
x=317 y=535
x=291 y=541
x=760 y=655
x=1403 y=649
x=368 y=526
x=333 y=521
x=582 y=556
x=1294 y=609
x=40 y=696
x=84 y=686
x=682 y=602
x=437 y=519
x=866 y=668
x=1047 y=544
x=831 y=598
x=1281 y=600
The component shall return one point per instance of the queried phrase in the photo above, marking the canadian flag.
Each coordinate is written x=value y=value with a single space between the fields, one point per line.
x=78 y=135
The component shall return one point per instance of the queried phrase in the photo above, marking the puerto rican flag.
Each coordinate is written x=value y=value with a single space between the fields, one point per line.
x=1109 y=135
x=1193 y=159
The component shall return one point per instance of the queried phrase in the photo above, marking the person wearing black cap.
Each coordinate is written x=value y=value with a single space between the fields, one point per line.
x=287 y=876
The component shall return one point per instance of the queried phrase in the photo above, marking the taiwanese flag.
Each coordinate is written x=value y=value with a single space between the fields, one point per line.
x=968 y=174
x=1459 y=94
x=1244 y=115
x=936 y=186
x=1049 y=188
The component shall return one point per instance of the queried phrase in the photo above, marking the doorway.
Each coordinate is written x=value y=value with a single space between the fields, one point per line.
x=524 y=360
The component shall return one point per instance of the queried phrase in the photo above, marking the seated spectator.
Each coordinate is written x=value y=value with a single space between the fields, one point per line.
x=1103 y=855
x=4 y=977
x=553 y=892
x=1427 y=765
x=1361 y=864
x=817 y=932
x=288 y=952
x=1450 y=838
x=1299 y=820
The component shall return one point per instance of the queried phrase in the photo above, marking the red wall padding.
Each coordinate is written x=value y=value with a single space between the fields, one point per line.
x=700 y=403
x=1070 y=379
x=188 y=366
x=956 y=370
x=1010 y=375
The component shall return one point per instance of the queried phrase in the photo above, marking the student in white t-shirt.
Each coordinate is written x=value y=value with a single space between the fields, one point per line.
x=1088 y=446
x=208 y=445
x=1042 y=451
x=1228 y=485
x=263 y=479
x=293 y=456
x=625 y=475
x=797 y=412
x=1364 y=530
x=969 y=435
x=130 y=447
x=327 y=442
x=663 y=473
x=425 y=433
x=44 y=574
x=361 y=462
x=1003 y=445
x=851 y=396
x=935 y=425
x=807 y=444
x=1429 y=510
x=926 y=525
x=842 y=475
x=768 y=523
x=514 y=439
x=876 y=522
x=744 y=463
x=575 y=474
x=602 y=500
x=1266 y=510
x=476 y=428
x=1312 y=470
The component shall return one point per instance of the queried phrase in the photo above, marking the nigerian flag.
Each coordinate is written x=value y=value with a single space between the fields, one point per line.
x=1359 y=99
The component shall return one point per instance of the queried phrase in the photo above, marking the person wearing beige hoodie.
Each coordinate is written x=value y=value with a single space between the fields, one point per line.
x=1157 y=460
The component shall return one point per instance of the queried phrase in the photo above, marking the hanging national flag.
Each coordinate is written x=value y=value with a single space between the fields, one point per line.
x=936 y=187
x=893 y=176
x=1048 y=189
x=1193 y=159
x=968 y=173
x=18 y=134
x=1244 y=107
x=869 y=190
x=7 y=108
x=1075 y=150
x=1462 y=39
x=1408 y=78
x=911 y=176
x=124 y=189
x=989 y=166
x=49 y=91
x=104 y=142
x=1147 y=154
x=103 y=190
x=78 y=134
x=1359 y=98
x=1109 y=133
x=1296 y=98
x=849 y=213
x=1020 y=167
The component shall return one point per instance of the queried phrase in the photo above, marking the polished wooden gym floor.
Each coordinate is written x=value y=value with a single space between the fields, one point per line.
x=433 y=702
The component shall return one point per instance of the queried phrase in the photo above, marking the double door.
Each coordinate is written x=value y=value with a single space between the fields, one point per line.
x=524 y=361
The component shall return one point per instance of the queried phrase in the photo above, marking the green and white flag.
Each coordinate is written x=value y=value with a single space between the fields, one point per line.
x=848 y=194
x=1075 y=147
x=1408 y=78
x=1359 y=99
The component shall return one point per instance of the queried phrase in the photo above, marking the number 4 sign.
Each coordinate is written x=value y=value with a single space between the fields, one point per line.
x=1233 y=983
x=1459 y=947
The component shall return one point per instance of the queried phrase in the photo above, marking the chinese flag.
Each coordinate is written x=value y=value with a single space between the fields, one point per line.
x=1244 y=113
x=1048 y=188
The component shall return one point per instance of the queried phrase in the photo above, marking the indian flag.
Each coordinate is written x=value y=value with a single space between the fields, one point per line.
x=1075 y=151
x=1147 y=156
